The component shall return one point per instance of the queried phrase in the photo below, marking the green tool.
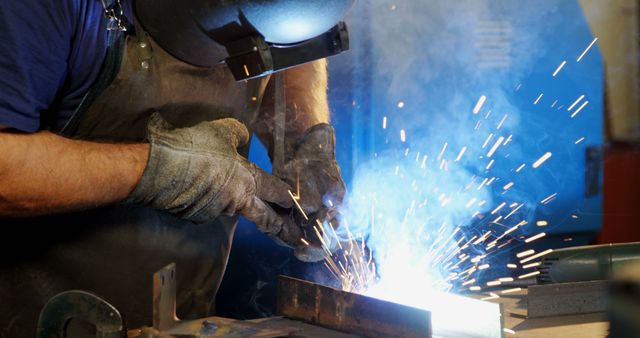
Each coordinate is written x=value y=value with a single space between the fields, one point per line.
x=586 y=263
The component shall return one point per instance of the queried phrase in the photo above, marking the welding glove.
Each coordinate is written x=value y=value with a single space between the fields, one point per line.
x=312 y=170
x=196 y=173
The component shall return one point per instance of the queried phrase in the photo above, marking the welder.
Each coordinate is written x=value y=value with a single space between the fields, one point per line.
x=124 y=140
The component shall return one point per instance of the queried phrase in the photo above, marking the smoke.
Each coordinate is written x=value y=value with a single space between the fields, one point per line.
x=443 y=174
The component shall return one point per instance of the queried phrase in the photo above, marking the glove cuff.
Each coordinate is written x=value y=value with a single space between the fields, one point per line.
x=318 y=142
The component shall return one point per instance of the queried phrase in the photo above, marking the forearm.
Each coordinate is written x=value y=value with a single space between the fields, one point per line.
x=44 y=173
x=306 y=101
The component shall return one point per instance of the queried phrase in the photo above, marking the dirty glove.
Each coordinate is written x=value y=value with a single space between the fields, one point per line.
x=197 y=174
x=313 y=172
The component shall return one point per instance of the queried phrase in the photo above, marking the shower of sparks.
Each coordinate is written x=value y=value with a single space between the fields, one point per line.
x=587 y=49
x=541 y=160
x=559 y=68
x=575 y=103
x=456 y=252
x=579 y=109
x=479 y=104
x=538 y=99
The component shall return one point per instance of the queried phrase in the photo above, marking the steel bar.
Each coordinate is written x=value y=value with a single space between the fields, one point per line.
x=350 y=312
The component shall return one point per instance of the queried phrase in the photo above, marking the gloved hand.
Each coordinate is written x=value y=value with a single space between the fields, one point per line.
x=197 y=174
x=313 y=172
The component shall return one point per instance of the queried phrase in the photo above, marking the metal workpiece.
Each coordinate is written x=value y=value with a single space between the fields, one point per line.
x=586 y=263
x=350 y=312
x=76 y=304
x=567 y=299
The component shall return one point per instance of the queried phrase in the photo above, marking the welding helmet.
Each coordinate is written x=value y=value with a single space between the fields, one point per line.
x=253 y=37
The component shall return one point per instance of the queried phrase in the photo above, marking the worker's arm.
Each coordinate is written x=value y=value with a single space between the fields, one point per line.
x=306 y=102
x=310 y=164
x=43 y=173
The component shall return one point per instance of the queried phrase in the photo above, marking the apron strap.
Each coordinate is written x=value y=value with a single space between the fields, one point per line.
x=108 y=73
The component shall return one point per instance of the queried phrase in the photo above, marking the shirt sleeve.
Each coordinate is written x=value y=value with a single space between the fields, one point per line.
x=35 y=40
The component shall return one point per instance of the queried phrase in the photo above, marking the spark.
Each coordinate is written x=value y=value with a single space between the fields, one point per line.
x=487 y=140
x=502 y=121
x=504 y=292
x=444 y=148
x=549 y=198
x=574 y=216
x=403 y=135
x=400 y=104
x=586 y=50
x=520 y=167
x=575 y=103
x=384 y=122
x=489 y=165
x=495 y=146
x=584 y=104
x=508 y=186
x=532 y=265
x=512 y=266
x=506 y=279
x=479 y=104
x=542 y=223
x=483 y=266
x=579 y=140
x=518 y=87
x=538 y=255
x=559 y=68
x=533 y=238
x=295 y=200
x=462 y=151
x=498 y=208
x=538 y=99
x=304 y=241
x=469 y=282
x=514 y=211
x=471 y=202
x=475 y=288
x=527 y=275
x=541 y=160
x=492 y=296
x=554 y=103
x=509 y=331
x=494 y=283
x=525 y=253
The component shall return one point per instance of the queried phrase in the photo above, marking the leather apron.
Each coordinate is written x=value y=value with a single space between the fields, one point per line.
x=113 y=251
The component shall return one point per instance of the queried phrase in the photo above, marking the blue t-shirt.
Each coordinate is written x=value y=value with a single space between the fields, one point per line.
x=51 y=53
